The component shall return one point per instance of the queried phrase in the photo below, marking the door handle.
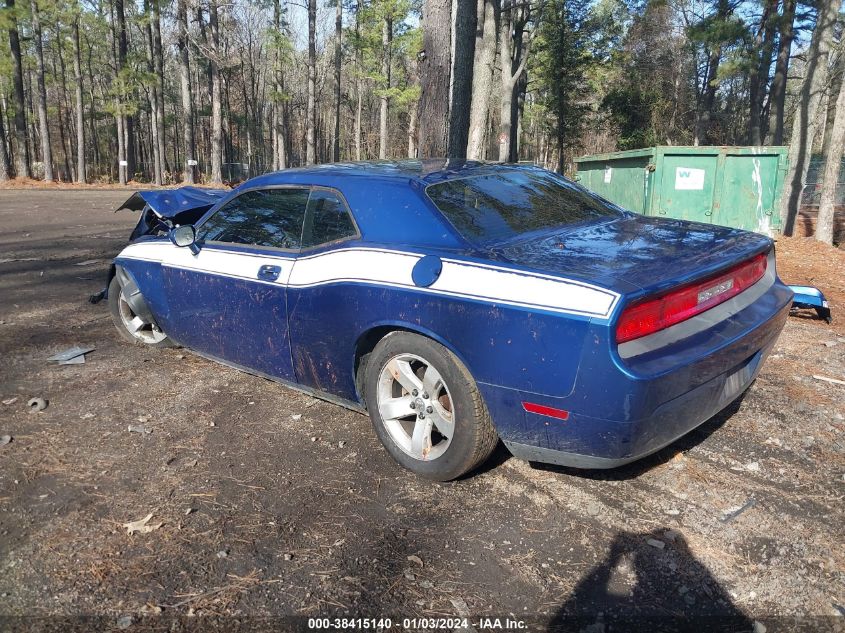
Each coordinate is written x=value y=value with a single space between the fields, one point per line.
x=269 y=273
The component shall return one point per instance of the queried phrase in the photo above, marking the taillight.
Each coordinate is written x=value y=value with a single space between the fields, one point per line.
x=658 y=313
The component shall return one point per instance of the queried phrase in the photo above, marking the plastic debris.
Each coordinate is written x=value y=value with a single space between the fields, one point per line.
x=36 y=404
x=10 y=400
x=655 y=543
x=138 y=428
x=67 y=356
x=730 y=516
x=6 y=439
x=142 y=525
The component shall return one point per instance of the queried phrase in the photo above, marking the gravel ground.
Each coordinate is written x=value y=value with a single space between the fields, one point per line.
x=269 y=507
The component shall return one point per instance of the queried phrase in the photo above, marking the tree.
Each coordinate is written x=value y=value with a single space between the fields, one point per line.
x=435 y=74
x=759 y=75
x=462 y=66
x=80 y=106
x=41 y=102
x=386 y=55
x=833 y=167
x=216 y=96
x=338 y=60
x=484 y=70
x=804 y=124
x=513 y=54
x=311 y=111
x=22 y=156
x=188 y=142
x=786 y=34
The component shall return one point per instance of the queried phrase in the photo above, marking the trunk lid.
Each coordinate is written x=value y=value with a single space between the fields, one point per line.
x=633 y=254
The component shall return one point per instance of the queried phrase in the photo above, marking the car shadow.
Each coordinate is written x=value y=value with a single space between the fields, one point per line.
x=642 y=466
x=650 y=582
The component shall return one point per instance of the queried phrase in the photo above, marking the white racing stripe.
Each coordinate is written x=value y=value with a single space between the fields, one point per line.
x=469 y=280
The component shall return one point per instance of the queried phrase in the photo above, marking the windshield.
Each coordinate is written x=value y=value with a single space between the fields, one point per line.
x=502 y=205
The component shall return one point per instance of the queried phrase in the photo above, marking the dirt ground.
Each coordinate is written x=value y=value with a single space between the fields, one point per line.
x=270 y=507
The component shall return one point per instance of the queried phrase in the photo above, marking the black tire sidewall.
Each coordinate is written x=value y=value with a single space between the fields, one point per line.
x=460 y=455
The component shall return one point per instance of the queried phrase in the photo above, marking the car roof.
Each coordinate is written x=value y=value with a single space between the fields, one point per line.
x=424 y=172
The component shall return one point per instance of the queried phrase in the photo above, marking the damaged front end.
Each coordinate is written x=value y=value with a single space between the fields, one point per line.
x=161 y=210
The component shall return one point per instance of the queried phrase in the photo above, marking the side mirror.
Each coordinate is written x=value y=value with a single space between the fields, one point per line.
x=185 y=235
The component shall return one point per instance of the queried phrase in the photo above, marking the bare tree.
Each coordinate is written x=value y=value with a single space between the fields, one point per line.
x=435 y=73
x=152 y=94
x=216 y=98
x=158 y=63
x=759 y=76
x=386 y=45
x=5 y=165
x=22 y=160
x=804 y=124
x=513 y=53
x=41 y=101
x=311 y=111
x=338 y=59
x=359 y=78
x=80 y=115
x=188 y=142
x=465 y=20
x=833 y=165
x=486 y=42
x=279 y=112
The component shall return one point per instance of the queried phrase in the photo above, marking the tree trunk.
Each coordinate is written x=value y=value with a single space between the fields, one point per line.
x=435 y=73
x=80 y=116
x=778 y=89
x=466 y=19
x=834 y=85
x=5 y=165
x=152 y=94
x=513 y=61
x=482 y=77
x=386 y=45
x=43 y=125
x=216 y=105
x=759 y=76
x=359 y=79
x=158 y=59
x=804 y=124
x=311 y=113
x=188 y=141
x=412 y=131
x=338 y=33
x=833 y=165
x=22 y=156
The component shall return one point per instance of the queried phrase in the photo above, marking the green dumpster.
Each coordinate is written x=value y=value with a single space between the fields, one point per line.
x=731 y=186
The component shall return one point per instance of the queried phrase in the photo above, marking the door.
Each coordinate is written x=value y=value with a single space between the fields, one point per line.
x=687 y=187
x=229 y=301
x=325 y=306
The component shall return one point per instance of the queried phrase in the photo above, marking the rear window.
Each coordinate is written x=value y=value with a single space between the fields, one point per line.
x=499 y=206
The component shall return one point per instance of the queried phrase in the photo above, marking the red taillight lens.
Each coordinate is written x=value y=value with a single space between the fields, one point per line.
x=653 y=315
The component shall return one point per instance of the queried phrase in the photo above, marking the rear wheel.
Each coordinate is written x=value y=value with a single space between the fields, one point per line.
x=426 y=408
x=131 y=326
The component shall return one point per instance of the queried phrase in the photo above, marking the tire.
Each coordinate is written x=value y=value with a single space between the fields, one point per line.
x=403 y=362
x=147 y=335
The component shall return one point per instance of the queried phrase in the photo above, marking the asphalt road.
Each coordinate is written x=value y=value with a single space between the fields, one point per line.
x=268 y=504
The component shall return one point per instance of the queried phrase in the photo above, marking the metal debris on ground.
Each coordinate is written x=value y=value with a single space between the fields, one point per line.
x=730 y=516
x=36 y=404
x=142 y=525
x=70 y=355
x=138 y=428
x=656 y=543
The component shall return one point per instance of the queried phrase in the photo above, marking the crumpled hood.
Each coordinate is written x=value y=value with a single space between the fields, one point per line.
x=168 y=203
x=634 y=252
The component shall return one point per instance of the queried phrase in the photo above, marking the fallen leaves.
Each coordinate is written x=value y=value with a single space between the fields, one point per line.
x=142 y=526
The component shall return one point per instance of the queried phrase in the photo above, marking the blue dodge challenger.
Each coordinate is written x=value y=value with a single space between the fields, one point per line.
x=459 y=304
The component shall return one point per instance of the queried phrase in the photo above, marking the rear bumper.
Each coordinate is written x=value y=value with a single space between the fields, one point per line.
x=619 y=413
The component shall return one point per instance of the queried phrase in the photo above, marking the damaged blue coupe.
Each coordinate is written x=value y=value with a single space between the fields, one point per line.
x=459 y=304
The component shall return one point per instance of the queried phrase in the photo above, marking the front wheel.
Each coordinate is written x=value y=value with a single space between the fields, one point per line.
x=426 y=408
x=131 y=326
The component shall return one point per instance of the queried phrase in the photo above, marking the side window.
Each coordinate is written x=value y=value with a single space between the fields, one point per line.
x=263 y=217
x=327 y=220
